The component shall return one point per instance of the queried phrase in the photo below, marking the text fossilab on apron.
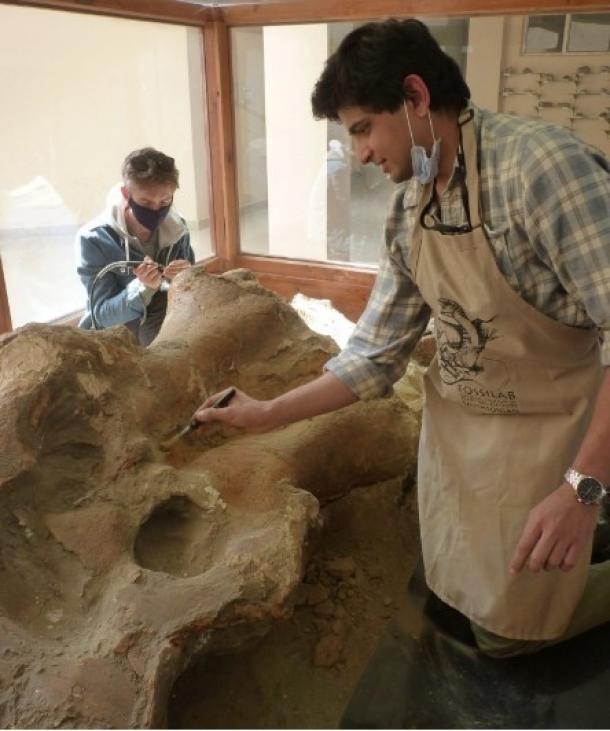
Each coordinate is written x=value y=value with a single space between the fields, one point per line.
x=509 y=396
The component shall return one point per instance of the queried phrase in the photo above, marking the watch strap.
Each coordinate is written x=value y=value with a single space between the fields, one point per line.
x=574 y=477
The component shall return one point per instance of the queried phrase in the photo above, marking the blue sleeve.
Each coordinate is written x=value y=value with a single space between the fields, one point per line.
x=114 y=298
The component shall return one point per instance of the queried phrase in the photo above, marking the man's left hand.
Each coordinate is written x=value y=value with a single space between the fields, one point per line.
x=556 y=532
x=175 y=267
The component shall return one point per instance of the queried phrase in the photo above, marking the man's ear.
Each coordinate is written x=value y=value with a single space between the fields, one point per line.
x=125 y=192
x=416 y=91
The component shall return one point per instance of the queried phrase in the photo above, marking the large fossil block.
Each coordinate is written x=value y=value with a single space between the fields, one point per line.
x=119 y=563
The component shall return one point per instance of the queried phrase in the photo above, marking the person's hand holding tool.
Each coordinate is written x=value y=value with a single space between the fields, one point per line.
x=218 y=401
x=148 y=273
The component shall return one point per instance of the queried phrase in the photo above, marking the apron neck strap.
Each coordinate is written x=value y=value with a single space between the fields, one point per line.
x=469 y=181
x=467 y=155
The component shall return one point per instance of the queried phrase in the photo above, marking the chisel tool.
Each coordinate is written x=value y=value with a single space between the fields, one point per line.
x=221 y=401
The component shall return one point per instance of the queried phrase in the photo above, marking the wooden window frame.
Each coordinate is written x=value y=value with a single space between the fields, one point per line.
x=347 y=286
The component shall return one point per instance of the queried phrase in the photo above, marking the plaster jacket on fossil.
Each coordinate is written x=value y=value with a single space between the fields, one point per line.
x=119 y=563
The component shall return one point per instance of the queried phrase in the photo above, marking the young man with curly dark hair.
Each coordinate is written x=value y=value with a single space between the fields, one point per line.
x=499 y=229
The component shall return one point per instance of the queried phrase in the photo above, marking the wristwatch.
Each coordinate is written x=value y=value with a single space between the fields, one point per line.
x=589 y=490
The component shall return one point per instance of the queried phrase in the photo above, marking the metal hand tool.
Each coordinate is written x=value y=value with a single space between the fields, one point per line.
x=221 y=401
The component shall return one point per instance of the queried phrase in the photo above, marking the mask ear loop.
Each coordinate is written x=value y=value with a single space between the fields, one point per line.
x=434 y=138
x=404 y=104
x=431 y=126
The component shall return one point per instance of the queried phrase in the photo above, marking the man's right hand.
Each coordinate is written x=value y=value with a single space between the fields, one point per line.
x=148 y=273
x=326 y=393
x=243 y=412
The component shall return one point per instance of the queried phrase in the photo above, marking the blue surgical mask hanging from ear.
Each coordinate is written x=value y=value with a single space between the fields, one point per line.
x=425 y=168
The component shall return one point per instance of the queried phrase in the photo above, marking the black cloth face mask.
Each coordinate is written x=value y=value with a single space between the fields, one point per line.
x=148 y=217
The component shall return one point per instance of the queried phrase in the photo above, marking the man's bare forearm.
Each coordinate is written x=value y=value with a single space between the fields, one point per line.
x=593 y=457
x=326 y=393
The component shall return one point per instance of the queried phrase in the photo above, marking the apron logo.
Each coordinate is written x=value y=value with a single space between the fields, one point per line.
x=461 y=341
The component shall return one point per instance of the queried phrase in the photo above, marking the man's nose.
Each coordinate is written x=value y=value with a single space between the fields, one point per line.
x=363 y=153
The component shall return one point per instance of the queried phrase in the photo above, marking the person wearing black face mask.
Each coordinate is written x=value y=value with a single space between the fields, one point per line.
x=139 y=225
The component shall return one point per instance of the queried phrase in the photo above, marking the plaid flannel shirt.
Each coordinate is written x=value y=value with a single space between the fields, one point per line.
x=545 y=204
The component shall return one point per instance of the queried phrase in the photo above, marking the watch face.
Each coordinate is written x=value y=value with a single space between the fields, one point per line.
x=589 y=490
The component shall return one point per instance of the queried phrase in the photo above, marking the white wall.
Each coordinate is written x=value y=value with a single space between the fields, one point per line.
x=591 y=131
x=79 y=93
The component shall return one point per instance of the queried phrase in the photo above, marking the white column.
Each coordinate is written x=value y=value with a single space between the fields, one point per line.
x=484 y=60
x=296 y=143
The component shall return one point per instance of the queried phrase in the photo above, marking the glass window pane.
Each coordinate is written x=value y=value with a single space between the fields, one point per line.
x=589 y=33
x=302 y=192
x=544 y=34
x=82 y=92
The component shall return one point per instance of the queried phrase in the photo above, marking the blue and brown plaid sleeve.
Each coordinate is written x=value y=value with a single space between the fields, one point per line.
x=567 y=219
x=393 y=321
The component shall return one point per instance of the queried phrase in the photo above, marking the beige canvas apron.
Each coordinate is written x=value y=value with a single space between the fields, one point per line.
x=509 y=396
